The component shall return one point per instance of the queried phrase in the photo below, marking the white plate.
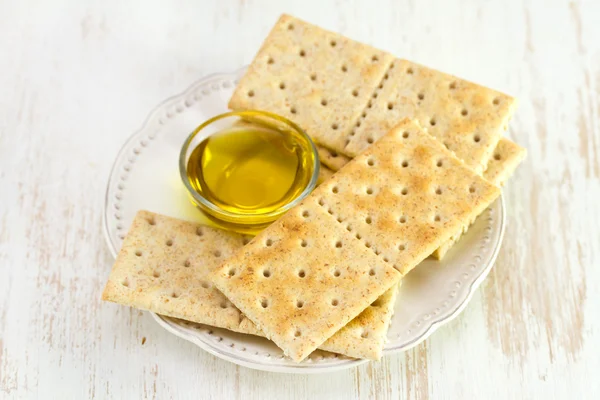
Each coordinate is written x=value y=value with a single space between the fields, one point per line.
x=145 y=175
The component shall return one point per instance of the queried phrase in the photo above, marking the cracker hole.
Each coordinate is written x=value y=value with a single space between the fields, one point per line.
x=187 y=264
x=156 y=274
x=375 y=95
x=290 y=27
x=337 y=273
x=298 y=333
x=368 y=245
x=282 y=86
x=432 y=122
x=390 y=106
x=338 y=244
x=405 y=135
x=364 y=114
x=364 y=334
x=404 y=164
x=223 y=304
x=404 y=191
x=440 y=163
x=174 y=295
x=402 y=247
x=330 y=211
x=402 y=219
x=421 y=96
x=299 y=304
x=370 y=162
x=205 y=285
x=199 y=232
x=447 y=144
x=305 y=214
x=438 y=191
x=409 y=71
x=464 y=113
x=333 y=153
x=344 y=68
x=231 y=272
x=437 y=218
x=125 y=283
x=355 y=93
x=372 y=272
x=333 y=43
x=251 y=93
x=471 y=189
x=264 y=303
x=313 y=77
x=302 y=53
x=334 y=126
x=349 y=228
x=169 y=243
x=138 y=253
x=303 y=243
x=368 y=220
x=268 y=243
x=217 y=253
x=266 y=273
x=293 y=110
x=301 y=273
x=151 y=221
x=270 y=60
x=453 y=85
x=374 y=59
x=476 y=138
x=321 y=202
x=358 y=236
x=370 y=140
x=335 y=302
x=496 y=101
x=334 y=189
x=497 y=157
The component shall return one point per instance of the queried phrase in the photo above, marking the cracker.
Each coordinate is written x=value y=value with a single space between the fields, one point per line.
x=331 y=158
x=162 y=270
x=469 y=119
x=365 y=335
x=297 y=283
x=164 y=266
x=324 y=174
x=319 y=79
x=405 y=196
x=507 y=156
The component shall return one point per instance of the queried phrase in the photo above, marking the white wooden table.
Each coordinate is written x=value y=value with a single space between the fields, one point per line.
x=77 y=78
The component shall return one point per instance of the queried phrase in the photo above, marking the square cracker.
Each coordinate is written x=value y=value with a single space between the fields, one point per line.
x=405 y=195
x=507 y=156
x=319 y=79
x=303 y=278
x=164 y=266
x=469 y=119
x=151 y=280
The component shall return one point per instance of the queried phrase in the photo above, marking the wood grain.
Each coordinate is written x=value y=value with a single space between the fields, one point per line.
x=78 y=77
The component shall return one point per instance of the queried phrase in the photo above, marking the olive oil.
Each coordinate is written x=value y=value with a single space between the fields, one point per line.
x=250 y=169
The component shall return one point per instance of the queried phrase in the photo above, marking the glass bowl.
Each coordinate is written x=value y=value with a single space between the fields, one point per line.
x=248 y=220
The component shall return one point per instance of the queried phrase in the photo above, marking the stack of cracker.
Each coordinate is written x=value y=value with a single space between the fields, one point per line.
x=347 y=95
x=325 y=275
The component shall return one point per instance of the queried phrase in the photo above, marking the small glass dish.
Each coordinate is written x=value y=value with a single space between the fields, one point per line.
x=249 y=220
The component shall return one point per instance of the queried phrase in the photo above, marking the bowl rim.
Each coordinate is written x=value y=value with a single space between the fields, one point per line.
x=240 y=218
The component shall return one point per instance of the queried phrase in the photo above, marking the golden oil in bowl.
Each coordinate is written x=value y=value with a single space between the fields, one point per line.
x=249 y=168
